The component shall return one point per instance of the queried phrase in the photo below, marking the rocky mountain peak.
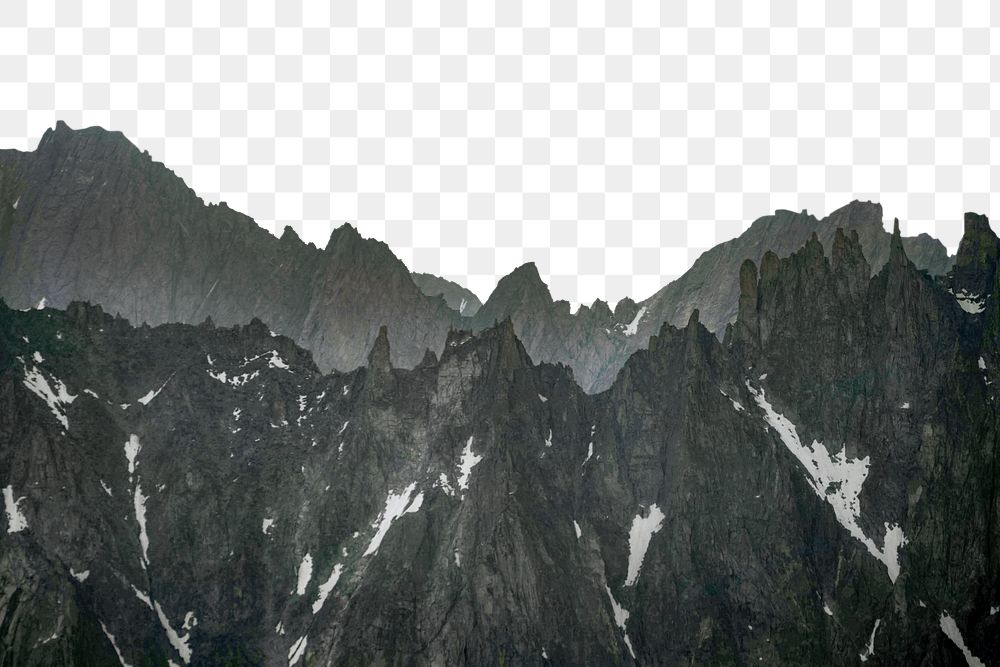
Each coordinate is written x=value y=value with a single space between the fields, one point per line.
x=897 y=254
x=976 y=261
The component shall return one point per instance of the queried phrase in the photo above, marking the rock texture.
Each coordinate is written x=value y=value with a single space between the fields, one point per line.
x=818 y=488
x=458 y=298
x=86 y=216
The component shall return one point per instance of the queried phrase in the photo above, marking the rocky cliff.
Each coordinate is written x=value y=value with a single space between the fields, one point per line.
x=820 y=487
x=87 y=216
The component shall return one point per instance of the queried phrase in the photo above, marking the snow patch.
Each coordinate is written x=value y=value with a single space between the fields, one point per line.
x=444 y=484
x=344 y=427
x=982 y=363
x=37 y=356
x=276 y=361
x=266 y=525
x=639 y=536
x=179 y=643
x=621 y=618
x=633 y=326
x=79 y=576
x=905 y=406
x=837 y=480
x=576 y=527
x=826 y=610
x=870 y=650
x=970 y=303
x=465 y=466
x=327 y=586
x=543 y=399
x=90 y=392
x=950 y=629
x=42 y=303
x=16 y=522
x=154 y=393
x=297 y=650
x=396 y=505
x=590 y=453
x=305 y=574
x=55 y=395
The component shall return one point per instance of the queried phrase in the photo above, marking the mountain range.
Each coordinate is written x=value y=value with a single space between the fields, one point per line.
x=803 y=473
x=87 y=216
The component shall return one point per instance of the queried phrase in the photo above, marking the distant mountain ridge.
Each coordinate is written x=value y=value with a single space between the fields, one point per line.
x=87 y=216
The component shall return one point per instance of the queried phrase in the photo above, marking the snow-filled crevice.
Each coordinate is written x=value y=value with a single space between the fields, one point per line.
x=950 y=628
x=643 y=528
x=396 y=505
x=837 y=480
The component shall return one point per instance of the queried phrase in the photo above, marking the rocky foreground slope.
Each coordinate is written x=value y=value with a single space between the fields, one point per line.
x=821 y=487
x=87 y=216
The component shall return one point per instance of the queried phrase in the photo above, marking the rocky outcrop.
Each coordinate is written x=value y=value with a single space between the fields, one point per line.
x=817 y=488
x=458 y=298
x=86 y=216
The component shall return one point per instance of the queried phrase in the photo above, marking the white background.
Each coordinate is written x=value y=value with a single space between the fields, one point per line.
x=609 y=142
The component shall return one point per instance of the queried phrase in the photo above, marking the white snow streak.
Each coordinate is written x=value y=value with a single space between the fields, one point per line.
x=838 y=481
x=621 y=618
x=543 y=399
x=305 y=574
x=297 y=651
x=16 y=522
x=950 y=628
x=639 y=536
x=590 y=453
x=548 y=440
x=154 y=393
x=327 y=586
x=396 y=505
x=633 y=326
x=870 y=651
x=55 y=395
x=461 y=306
x=42 y=303
x=576 y=527
x=344 y=427
x=79 y=576
x=143 y=597
x=465 y=466
x=111 y=638
x=132 y=447
x=139 y=502
x=266 y=525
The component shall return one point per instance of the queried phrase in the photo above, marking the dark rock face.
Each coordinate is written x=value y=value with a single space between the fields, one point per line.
x=820 y=486
x=86 y=216
x=458 y=298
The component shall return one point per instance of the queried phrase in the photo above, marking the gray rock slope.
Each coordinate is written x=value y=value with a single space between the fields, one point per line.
x=458 y=298
x=596 y=343
x=87 y=216
x=817 y=488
